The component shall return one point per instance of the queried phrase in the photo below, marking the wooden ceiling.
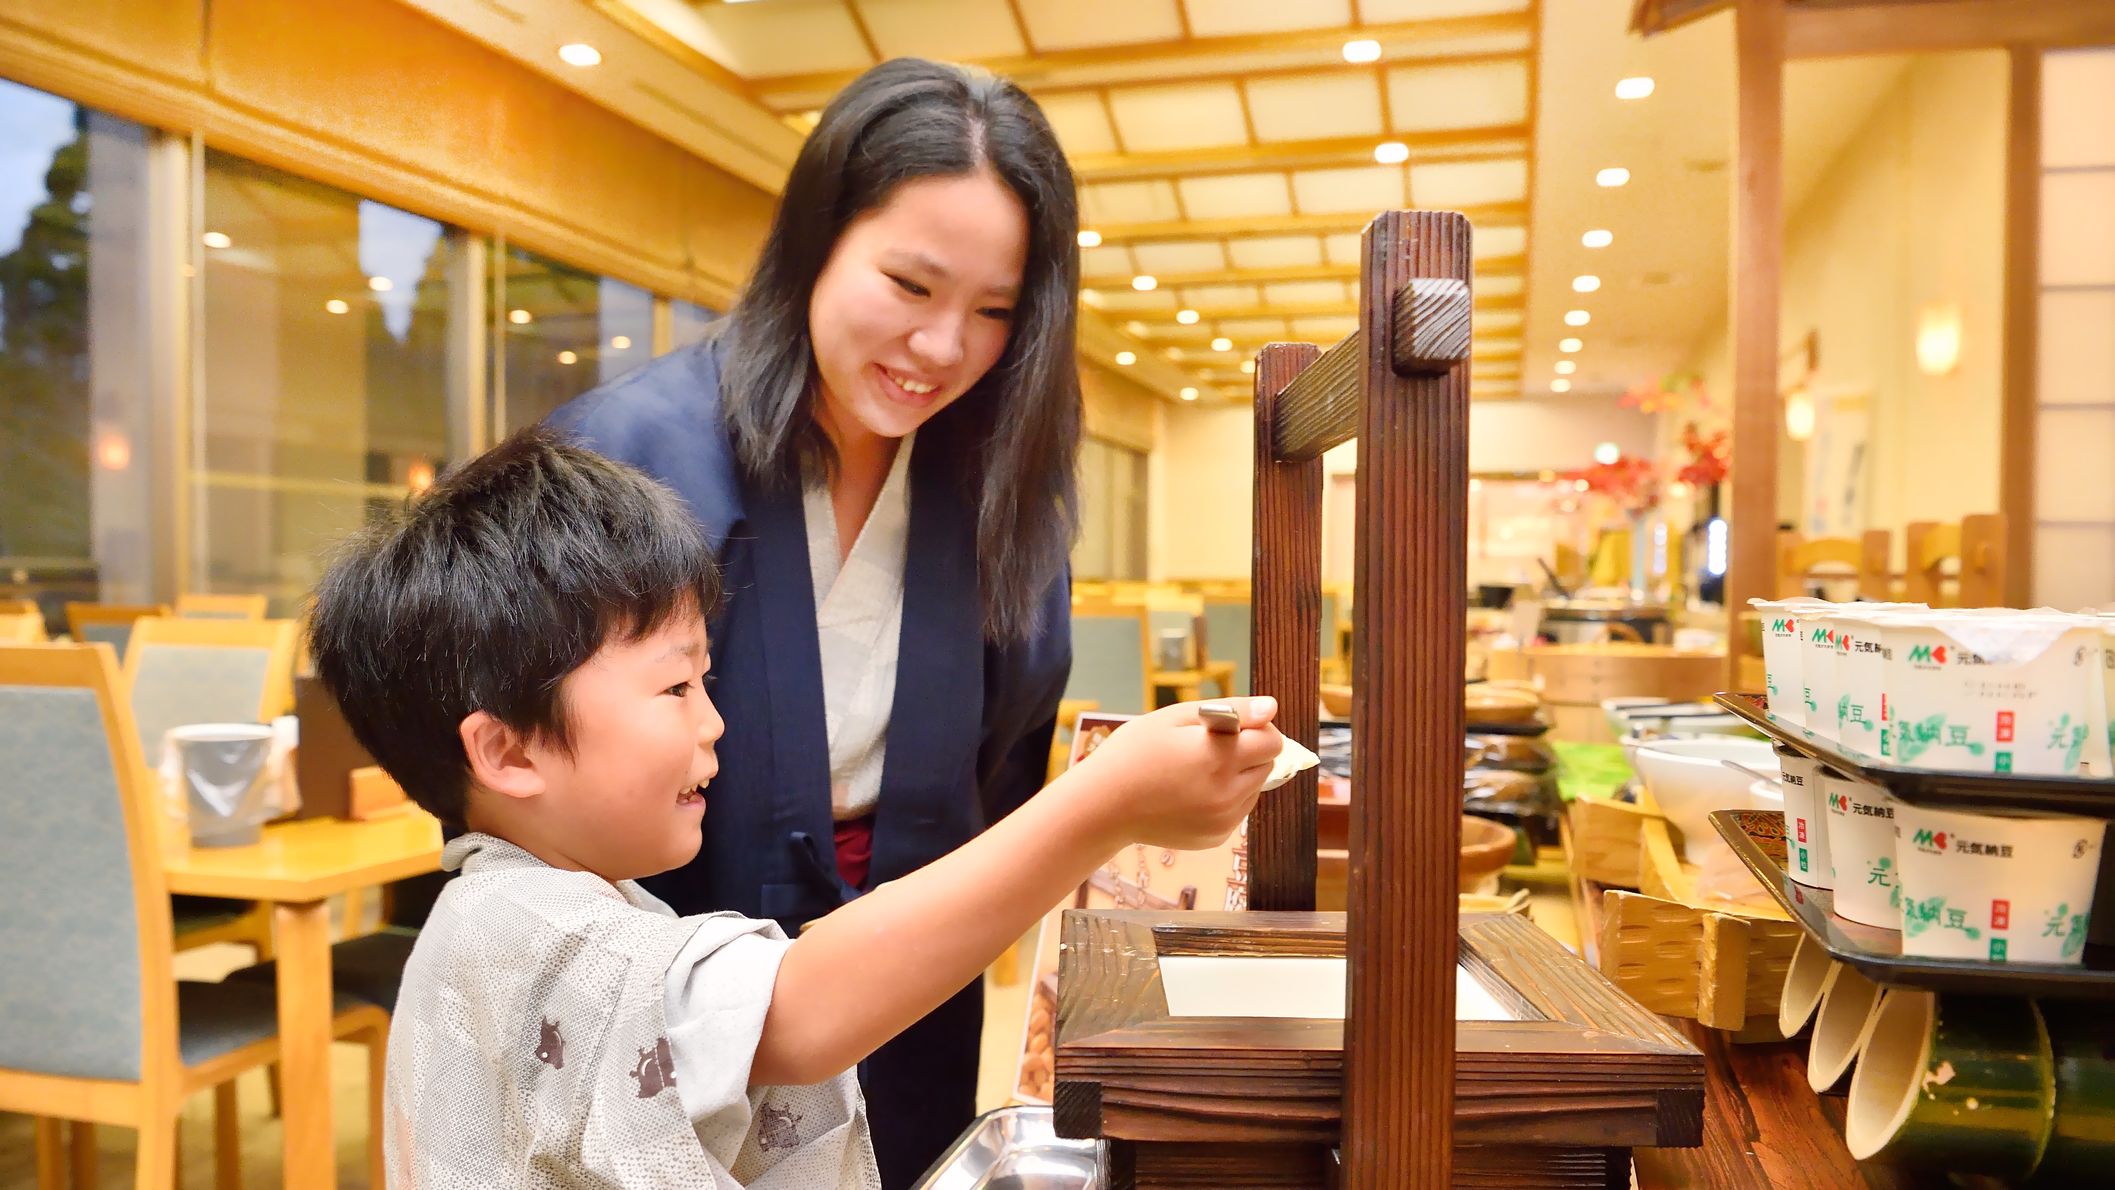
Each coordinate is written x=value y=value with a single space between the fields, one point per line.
x=1225 y=149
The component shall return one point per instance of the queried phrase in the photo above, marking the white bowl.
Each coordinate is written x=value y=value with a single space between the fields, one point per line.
x=1689 y=779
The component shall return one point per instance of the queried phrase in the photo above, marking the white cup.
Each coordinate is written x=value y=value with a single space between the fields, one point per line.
x=1825 y=657
x=1995 y=693
x=1806 y=823
x=1782 y=681
x=1861 y=829
x=2000 y=888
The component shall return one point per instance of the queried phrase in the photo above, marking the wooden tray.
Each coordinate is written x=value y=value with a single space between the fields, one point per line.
x=1758 y=837
x=2090 y=796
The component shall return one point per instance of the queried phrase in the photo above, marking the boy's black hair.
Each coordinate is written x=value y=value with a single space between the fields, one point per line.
x=484 y=592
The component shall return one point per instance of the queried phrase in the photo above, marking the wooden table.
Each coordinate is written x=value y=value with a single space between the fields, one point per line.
x=296 y=867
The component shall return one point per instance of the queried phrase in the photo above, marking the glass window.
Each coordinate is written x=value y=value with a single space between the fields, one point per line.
x=75 y=488
x=325 y=339
x=688 y=321
x=1112 y=540
x=565 y=331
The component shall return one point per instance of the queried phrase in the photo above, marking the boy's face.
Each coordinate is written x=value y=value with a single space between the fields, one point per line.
x=628 y=800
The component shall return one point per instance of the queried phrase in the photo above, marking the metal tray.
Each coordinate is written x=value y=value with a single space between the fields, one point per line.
x=1016 y=1148
x=1758 y=837
x=2088 y=796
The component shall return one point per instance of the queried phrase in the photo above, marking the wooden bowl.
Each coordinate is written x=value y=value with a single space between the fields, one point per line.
x=1486 y=847
x=1487 y=704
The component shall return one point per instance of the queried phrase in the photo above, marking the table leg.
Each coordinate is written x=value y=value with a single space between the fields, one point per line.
x=301 y=936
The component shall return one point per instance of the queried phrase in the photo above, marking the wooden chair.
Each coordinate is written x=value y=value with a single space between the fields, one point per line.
x=1975 y=547
x=20 y=607
x=99 y=1029
x=1876 y=566
x=220 y=607
x=17 y=628
x=1860 y=561
x=209 y=671
x=110 y=623
x=1112 y=647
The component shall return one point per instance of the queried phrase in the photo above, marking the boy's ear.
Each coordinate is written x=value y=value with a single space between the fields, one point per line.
x=500 y=758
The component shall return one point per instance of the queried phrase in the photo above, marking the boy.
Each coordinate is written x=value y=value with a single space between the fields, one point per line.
x=524 y=651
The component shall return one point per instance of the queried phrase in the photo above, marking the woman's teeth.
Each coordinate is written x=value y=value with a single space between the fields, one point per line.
x=911 y=386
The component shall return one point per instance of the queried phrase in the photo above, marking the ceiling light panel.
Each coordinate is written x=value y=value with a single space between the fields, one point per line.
x=1231 y=196
x=1379 y=11
x=1456 y=184
x=1366 y=188
x=1502 y=286
x=1206 y=298
x=1254 y=328
x=1179 y=256
x=1074 y=24
x=1313 y=106
x=1488 y=321
x=1183 y=116
x=1220 y=18
x=1129 y=202
x=1275 y=252
x=1469 y=95
x=1131 y=301
x=758 y=40
x=1343 y=249
x=1499 y=241
x=1109 y=260
x=948 y=30
x=1288 y=293
x=1080 y=121
x=1323 y=330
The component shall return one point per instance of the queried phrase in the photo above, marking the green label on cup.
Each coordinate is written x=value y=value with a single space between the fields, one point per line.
x=1997 y=950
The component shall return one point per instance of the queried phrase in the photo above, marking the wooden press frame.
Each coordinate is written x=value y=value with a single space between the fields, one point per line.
x=1254 y=1101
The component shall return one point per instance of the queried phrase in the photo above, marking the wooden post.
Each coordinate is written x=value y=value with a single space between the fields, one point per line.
x=1285 y=627
x=1410 y=575
x=2023 y=217
x=1758 y=262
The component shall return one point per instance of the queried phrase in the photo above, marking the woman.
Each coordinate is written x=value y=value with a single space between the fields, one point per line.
x=882 y=436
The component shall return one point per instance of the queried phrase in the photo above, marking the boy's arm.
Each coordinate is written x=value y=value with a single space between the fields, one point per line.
x=872 y=968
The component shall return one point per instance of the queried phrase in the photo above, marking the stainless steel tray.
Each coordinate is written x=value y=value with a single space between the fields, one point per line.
x=1016 y=1148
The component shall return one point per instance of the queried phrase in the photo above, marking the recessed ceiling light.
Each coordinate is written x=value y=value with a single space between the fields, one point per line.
x=1614 y=175
x=1126 y=358
x=1189 y=394
x=1566 y=367
x=1570 y=345
x=579 y=53
x=1145 y=282
x=1586 y=283
x=1560 y=385
x=1222 y=344
x=1248 y=367
x=1391 y=152
x=336 y=306
x=1089 y=238
x=568 y=357
x=1136 y=327
x=1092 y=297
x=1363 y=50
x=380 y=284
x=1599 y=237
x=1607 y=453
x=1186 y=317
x=1577 y=318
x=1634 y=88
x=620 y=342
x=520 y=317
x=215 y=239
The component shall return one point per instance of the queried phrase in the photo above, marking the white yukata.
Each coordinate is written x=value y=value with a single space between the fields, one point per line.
x=556 y=1030
x=859 y=630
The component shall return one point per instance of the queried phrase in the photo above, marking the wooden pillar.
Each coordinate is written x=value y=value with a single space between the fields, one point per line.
x=1285 y=628
x=2023 y=217
x=1411 y=575
x=1758 y=264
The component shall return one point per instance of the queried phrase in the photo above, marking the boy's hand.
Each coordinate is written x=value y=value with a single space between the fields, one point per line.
x=1179 y=785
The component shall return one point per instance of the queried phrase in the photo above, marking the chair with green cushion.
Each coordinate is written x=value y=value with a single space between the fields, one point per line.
x=98 y=1029
x=1110 y=657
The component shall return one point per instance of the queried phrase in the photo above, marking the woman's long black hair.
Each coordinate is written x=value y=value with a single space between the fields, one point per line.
x=1015 y=435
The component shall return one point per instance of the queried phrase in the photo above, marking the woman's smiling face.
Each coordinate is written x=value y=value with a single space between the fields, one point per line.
x=916 y=302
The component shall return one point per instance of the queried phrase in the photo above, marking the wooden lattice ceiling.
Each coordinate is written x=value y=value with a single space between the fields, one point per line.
x=1225 y=148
